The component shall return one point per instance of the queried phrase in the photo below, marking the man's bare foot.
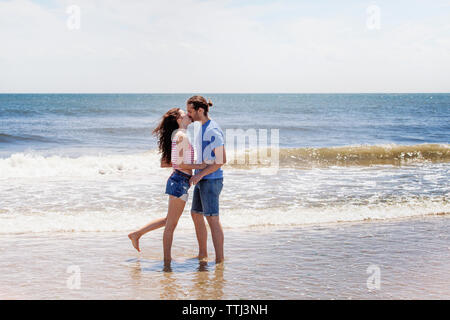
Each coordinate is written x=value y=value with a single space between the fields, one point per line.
x=134 y=237
x=220 y=260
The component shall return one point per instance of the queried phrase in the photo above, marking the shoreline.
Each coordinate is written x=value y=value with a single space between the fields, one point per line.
x=269 y=227
x=310 y=262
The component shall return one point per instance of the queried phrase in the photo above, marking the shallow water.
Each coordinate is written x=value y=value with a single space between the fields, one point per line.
x=125 y=200
x=311 y=262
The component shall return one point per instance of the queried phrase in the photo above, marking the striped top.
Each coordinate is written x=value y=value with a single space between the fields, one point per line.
x=188 y=152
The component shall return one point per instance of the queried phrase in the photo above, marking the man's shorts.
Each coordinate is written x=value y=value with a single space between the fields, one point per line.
x=206 y=197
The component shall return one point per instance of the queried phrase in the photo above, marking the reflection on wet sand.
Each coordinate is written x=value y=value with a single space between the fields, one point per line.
x=170 y=288
x=317 y=262
x=136 y=271
x=206 y=283
x=189 y=279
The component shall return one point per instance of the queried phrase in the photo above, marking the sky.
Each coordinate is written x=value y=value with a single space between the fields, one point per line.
x=224 y=46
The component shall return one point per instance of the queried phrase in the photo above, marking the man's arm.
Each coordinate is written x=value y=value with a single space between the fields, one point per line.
x=221 y=159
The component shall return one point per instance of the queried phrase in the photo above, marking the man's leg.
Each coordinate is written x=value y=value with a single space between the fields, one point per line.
x=199 y=223
x=202 y=234
x=217 y=236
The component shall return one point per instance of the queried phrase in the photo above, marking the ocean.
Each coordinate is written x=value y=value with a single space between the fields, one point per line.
x=88 y=162
x=356 y=207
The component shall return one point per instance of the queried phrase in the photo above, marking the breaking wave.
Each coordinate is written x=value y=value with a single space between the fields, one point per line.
x=36 y=165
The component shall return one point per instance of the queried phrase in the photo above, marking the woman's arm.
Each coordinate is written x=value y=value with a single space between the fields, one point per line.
x=181 y=146
x=200 y=166
x=164 y=164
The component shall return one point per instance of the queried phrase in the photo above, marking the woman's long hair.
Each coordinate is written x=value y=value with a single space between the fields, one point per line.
x=164 y=130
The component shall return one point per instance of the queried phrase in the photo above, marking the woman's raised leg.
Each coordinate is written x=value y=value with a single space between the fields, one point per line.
x=155 y=224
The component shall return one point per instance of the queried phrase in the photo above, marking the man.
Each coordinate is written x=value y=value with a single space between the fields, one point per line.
x=209 y=181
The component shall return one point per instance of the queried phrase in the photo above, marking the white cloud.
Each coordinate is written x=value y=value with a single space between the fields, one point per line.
x=211 y=46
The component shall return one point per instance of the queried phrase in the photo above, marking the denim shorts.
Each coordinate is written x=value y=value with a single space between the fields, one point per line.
x=206 y=197
x=178 y=185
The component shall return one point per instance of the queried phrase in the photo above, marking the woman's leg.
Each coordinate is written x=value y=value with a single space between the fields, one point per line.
x=176 y=207
x=155 y=224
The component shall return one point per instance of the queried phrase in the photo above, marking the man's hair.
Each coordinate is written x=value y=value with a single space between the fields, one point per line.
x=199 y=102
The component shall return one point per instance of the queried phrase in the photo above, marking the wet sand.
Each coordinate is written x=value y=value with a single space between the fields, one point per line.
x=335 y=261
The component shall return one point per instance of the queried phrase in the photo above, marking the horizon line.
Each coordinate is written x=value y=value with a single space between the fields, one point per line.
x=162 y=93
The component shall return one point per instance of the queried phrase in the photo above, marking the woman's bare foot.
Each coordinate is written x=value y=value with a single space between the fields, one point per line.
x=168 y=265
x=201 y=258
x=134 y=237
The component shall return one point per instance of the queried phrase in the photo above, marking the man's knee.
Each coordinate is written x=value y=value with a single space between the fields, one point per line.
x=213 y=221
x=196 y=215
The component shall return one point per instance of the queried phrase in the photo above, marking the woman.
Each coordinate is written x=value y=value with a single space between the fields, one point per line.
x=177 y=152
